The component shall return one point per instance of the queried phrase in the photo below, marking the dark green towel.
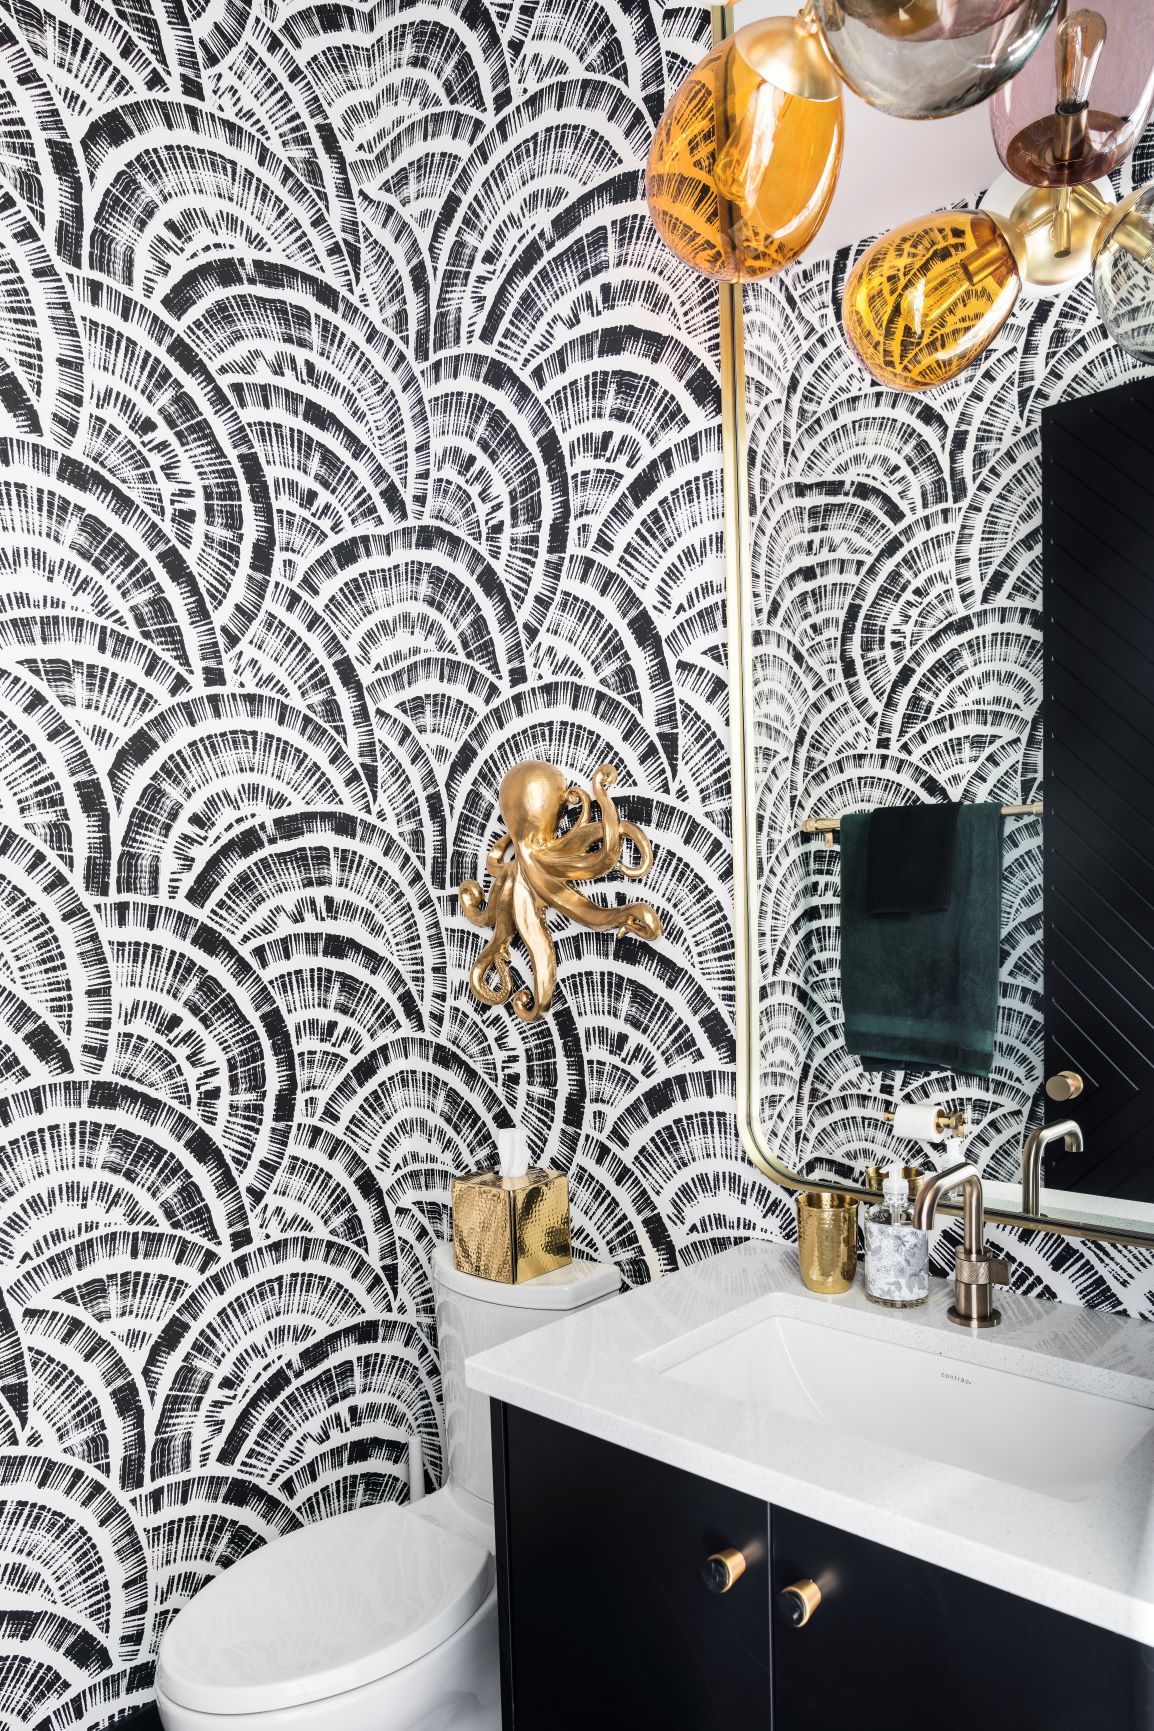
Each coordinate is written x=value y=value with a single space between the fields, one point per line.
x=922 y=989
x=911 y=858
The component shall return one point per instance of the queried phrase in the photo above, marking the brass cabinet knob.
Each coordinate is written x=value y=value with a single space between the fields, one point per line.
x=1066 y=1085
x=797 y=1603
x=722 y=1569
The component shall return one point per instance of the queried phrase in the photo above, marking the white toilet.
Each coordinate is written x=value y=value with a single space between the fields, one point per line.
x=384 y=1619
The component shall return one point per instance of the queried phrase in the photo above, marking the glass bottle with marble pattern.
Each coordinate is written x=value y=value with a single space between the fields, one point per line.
x=897 y=1253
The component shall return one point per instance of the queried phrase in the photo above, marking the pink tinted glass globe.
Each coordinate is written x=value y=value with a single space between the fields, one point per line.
x=1079 y=105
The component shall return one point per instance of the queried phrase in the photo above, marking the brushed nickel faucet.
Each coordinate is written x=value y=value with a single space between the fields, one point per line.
x=976 y=1272
x=1037 y=1142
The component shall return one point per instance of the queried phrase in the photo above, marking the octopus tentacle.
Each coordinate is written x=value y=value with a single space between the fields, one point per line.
x=636 y=868
x=473 y=904
x=495 y=858
x=637 y=918
x=494 y=958
x=578 y=797
x=528 y=916
x=580 y=853
x=603 y=779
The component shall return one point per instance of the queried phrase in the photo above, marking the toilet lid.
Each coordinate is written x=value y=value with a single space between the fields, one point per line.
x=322 y=1611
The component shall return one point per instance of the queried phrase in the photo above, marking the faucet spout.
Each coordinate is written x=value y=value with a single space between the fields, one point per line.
x=965 y=1174
x=976 y=1272
x=1069 y=1133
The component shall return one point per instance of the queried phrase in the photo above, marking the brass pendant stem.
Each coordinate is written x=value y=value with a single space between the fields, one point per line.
x=1071 y=129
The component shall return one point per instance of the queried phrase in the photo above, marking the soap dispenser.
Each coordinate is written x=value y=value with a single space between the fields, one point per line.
x=897 y=1253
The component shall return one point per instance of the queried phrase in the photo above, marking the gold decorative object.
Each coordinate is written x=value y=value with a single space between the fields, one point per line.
x=827 y=1240
x=511 y=1229
x=875 y=1177
x=929 y=297
x=746 y=156
x=532 y=868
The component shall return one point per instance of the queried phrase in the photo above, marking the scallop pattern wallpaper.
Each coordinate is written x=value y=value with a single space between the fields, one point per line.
x=360 y=439
x=896 y=558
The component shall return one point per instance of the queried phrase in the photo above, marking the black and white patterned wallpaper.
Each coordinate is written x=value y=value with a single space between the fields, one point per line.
x=896 y=555
x=360 y=439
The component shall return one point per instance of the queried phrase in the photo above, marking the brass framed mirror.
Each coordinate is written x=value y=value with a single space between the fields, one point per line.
x=895 y=637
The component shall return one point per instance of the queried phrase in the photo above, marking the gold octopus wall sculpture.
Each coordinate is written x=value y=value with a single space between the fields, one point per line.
x=532 y=868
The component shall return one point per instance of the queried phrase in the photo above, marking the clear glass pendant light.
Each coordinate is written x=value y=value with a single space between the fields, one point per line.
x=923 y=59
x=1124 y=273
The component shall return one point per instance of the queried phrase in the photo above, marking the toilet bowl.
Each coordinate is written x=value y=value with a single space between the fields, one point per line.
x=385 y=1618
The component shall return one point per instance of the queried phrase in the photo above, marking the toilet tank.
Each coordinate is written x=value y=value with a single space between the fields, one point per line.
x=474 y=1314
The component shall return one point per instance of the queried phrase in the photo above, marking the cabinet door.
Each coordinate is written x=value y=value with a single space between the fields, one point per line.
x=898 y=1645
x=605 y=1617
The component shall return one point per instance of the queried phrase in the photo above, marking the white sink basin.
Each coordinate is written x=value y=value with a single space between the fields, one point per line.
x=1049 y=1438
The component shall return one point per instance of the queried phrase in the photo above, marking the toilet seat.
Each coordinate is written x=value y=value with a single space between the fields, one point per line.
x=327 y=1609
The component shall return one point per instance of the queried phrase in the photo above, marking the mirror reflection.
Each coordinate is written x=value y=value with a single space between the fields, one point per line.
x=951 y=627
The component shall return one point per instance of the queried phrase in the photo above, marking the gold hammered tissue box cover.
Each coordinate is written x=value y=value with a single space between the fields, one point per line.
x=511 y=1229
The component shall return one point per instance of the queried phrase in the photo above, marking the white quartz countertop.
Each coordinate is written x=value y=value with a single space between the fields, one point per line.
x=1092 y=1558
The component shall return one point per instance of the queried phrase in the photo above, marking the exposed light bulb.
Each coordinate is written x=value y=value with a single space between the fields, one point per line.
x=1079 y=43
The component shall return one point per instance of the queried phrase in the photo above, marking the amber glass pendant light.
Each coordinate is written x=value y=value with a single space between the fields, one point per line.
x=746 y=156
x=1078 y=107
x=929 y=297
x=1124 y=273
x=923 y=59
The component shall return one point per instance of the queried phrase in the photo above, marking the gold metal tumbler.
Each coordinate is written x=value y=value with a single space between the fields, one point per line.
x=827 y=1240
x=875 y=1177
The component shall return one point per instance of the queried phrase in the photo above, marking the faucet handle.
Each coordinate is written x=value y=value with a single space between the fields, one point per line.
x=983 y=1270
x=975 y=1277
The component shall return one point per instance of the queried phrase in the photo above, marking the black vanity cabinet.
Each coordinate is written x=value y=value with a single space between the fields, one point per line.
x=607 y=1619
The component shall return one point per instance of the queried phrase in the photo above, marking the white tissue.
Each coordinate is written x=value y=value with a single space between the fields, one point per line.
x=918 y=1122
x=512 y=1153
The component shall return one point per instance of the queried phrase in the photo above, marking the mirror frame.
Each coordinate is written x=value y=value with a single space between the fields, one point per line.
x=739 y=605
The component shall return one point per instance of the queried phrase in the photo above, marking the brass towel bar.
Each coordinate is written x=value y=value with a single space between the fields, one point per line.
x=827 y=827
